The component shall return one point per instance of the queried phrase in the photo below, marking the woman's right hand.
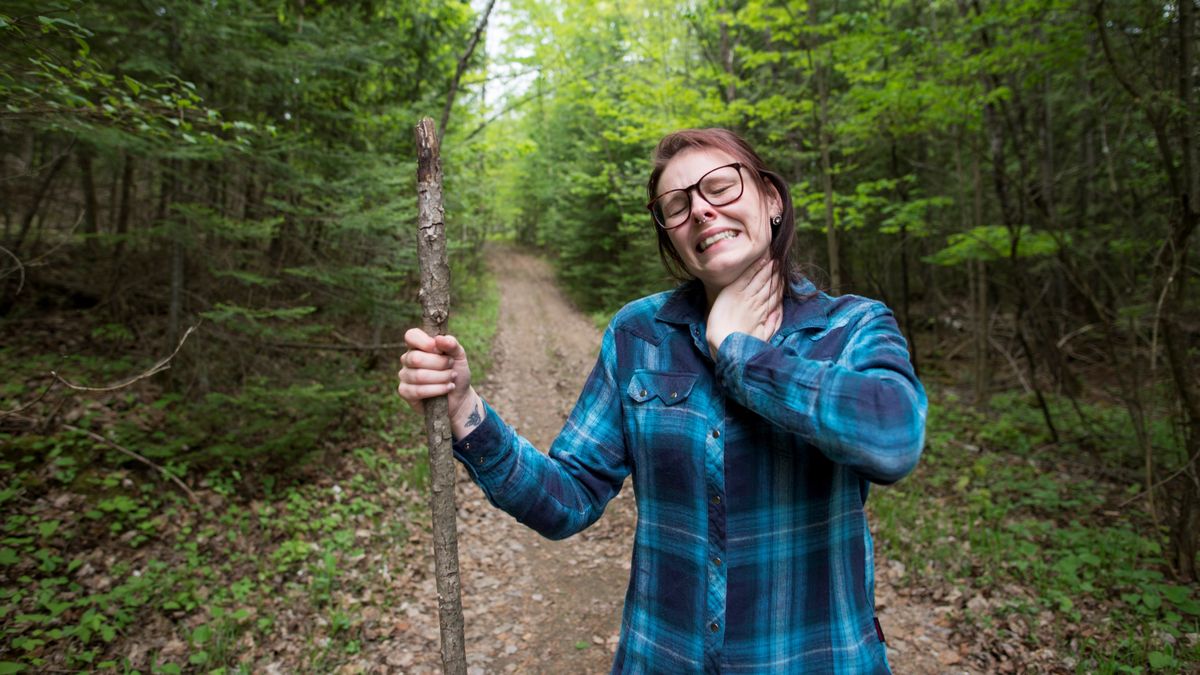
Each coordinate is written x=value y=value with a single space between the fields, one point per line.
x=751 y=304
x=437 y=366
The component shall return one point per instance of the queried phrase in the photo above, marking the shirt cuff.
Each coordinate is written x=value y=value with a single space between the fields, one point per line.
x=483 y=448
x=733 y=355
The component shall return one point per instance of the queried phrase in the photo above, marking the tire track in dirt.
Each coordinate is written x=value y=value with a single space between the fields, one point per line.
x=538 y=606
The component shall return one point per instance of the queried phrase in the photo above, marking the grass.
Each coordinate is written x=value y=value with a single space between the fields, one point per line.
x=1049 y=551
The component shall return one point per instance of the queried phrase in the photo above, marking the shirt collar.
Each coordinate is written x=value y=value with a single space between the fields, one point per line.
x=688 y=306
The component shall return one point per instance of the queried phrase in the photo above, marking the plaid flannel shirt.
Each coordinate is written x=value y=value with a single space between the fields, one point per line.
x=752 y=552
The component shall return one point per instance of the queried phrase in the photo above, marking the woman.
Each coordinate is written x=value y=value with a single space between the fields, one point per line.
x=751 y=410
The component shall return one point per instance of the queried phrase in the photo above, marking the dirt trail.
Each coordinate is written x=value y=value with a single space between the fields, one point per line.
x=539 y=606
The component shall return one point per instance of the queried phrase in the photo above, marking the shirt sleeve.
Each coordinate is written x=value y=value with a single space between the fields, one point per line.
x=865 y=409
x=564 y=492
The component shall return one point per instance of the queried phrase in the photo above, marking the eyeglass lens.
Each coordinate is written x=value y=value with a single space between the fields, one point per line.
x=718 y=187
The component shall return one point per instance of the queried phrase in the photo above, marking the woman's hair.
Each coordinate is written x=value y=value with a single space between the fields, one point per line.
x=733 y=145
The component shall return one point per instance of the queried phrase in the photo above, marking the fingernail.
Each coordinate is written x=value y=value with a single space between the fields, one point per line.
x=451 y=386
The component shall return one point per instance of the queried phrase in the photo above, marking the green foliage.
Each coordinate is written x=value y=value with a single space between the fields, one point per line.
x=598 y=105
x=994 y=242
x=266 y=151
x=1018 y=528
x=251 y=165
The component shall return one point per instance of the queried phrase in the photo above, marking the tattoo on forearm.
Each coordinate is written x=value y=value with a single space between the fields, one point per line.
x=476 y=418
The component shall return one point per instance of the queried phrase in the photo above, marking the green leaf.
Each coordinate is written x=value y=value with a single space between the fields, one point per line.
x=7 y=667
x=1189 y=607
x=1176 y=594
x=1161 y=660
x=582 y=644
x=1152 y=600
x=8 y=556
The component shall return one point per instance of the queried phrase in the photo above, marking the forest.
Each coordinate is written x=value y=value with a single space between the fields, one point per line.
x=208 y=262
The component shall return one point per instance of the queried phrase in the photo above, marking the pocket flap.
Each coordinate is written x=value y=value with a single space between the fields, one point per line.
x=670 y=388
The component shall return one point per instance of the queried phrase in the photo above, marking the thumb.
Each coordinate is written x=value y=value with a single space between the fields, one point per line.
x=450 y=346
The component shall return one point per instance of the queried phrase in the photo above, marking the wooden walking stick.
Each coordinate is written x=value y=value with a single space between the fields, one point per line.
x=435 y=310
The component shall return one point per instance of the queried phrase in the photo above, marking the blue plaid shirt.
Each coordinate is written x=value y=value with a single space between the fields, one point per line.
x=752 y=552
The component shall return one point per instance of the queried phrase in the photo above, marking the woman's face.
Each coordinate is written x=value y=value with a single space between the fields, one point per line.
x=717 y=243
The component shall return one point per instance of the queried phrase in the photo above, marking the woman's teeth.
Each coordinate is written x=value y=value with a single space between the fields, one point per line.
x=727 y=234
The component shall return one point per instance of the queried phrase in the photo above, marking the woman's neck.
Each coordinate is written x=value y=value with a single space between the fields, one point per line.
x=710 y=296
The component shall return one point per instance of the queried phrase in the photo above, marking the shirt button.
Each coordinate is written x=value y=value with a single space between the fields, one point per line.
x=674 y=394
x=480 y=460
x=467 y=446
x=716 y=499
x=714 y=627
x=716 y=433
x=717 y=562
x=643 y=393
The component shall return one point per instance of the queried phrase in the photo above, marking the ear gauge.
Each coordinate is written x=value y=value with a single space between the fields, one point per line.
x=776 y=221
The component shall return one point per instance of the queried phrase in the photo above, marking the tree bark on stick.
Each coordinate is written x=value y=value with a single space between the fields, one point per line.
x=435 y=312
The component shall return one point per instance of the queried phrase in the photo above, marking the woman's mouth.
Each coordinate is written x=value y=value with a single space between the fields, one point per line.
x=708 y=242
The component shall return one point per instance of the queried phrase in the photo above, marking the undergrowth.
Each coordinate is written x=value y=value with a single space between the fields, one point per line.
x=1037 y=550
x=307 y=495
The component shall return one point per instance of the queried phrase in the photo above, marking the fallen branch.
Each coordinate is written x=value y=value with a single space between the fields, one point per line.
x=323 y=346
x=29 y=405
x=20 y=268
x=156 y=368
x=119 y=448
x=1147 y=491
x=1012 y=362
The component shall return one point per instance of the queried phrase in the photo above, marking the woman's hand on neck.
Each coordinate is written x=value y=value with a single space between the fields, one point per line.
x=750 y=304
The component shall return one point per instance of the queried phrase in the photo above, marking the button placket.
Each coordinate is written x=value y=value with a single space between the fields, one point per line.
x=717 y=519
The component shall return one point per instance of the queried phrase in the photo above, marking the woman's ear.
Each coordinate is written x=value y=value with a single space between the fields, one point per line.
x=774 y=201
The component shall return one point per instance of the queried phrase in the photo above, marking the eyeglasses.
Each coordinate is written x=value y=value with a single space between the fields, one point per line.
x=719 y=187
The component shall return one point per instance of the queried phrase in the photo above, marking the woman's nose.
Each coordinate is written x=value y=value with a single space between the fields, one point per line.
x=702 y=211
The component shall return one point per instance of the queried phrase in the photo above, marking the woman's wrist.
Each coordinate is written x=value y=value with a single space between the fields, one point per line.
x=468 y=415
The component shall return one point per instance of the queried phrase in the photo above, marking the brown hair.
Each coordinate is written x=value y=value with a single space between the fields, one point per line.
x=735 y=146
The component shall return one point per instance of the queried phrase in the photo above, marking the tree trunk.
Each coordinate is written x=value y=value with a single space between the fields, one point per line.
x=168 y=184
x=35 y=204
x=91 y=223
x=831 y=235
x=122 y=225
x=463 y=62
x=983 y=371
x=726 y=46
x=435 y=305
x=175 y=306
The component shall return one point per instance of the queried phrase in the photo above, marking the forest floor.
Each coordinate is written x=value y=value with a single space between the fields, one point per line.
x=1003 y=552
x=538 y=606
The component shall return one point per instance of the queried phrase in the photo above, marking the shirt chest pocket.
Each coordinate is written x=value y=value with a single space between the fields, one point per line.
x=664 y=410
x=653 y=388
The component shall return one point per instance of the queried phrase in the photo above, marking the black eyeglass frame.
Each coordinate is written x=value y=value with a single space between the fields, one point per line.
x=687 y=191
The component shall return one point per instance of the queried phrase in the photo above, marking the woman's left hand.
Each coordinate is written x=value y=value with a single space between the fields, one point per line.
x=751 y=304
